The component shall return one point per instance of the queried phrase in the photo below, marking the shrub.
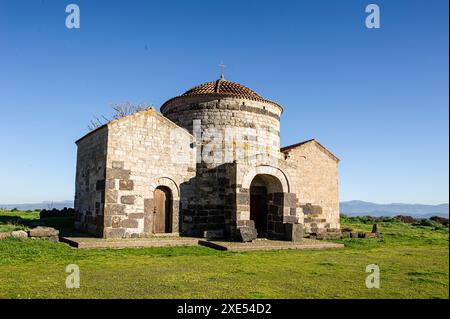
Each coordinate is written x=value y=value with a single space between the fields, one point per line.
x=406 y=219
x=440 y=220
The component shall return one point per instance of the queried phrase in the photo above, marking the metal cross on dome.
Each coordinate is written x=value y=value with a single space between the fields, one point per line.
x=222 y=67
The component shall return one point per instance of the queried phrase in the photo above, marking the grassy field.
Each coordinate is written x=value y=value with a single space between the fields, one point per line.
x=413 y=261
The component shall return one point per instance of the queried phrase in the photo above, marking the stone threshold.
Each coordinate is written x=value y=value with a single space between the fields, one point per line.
x=269 y=245
x=158 y=241
x=172 y=241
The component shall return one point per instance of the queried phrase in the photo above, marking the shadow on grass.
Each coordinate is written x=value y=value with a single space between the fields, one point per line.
x=62 y=223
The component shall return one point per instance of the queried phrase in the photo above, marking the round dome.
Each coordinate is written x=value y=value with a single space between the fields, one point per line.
x=223 y=88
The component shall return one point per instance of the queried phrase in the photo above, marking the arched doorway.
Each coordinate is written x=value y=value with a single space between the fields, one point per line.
x=263 y=190
x=162 y=212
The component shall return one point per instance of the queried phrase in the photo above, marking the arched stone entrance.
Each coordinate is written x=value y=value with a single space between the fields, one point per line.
x=162 y=208
x=264 y=204
x=262 y=192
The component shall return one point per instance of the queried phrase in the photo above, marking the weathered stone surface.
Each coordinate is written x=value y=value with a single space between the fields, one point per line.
x=346 y=234
x=110 y=184
x=130 y=223
x=115 y=221
x=114 y=232
x=43 y=232
x=126 y=185
x=354 y=235
x=127 y=199
x=213 y=234
x=114 y=209
x=294 y=232
x=111 y=196
x=19 y=234
x=117 y=173
x=376 y=230
x=53 y=239
x=5 y=235
x=246 y=234
x=310 y=209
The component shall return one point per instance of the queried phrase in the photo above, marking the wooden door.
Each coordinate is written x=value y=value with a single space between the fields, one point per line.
x=159 y=216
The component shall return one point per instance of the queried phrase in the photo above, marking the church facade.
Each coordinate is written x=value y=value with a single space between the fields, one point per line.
x=208 y=164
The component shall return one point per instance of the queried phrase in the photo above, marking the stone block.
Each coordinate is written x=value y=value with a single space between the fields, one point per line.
x=290 y=219
x=117 y=173
x=114 y=233
x=127 y=199
x=354 y=235
x=309 y=209
x=110 y=184
x=43 y=232
x=213 y=234
x=114 y=209
x=5 y=235
x=246 y=234
x=376 y=230
x=129 y=223
x=115 y=222
x=19 y=234
x=126 y=185
x=53 y=239
x=111 y=196
x=294 y=232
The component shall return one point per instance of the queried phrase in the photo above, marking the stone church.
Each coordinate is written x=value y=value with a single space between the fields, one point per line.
x=208 y=164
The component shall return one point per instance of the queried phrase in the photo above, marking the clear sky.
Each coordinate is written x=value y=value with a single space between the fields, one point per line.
x=377 y=98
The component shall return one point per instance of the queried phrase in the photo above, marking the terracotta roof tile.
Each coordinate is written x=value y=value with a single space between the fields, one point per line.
x=224 y=88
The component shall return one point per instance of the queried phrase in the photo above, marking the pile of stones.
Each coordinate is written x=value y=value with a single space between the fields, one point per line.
x=375 y=233
x=327 y=234
x=48 y=233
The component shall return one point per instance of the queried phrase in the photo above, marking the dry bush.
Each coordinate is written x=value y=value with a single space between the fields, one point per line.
x=119 y=110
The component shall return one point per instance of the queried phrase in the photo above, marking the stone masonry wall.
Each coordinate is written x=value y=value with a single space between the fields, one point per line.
x=231 y=129
x=90 y=181
x=145 y=150
x=315 y=181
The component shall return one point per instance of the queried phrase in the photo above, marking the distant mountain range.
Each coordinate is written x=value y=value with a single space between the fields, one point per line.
x=360 y=208
x=43 y=205
x=350 y=208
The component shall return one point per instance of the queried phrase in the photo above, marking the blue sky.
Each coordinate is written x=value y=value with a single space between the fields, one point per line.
x=377 y=98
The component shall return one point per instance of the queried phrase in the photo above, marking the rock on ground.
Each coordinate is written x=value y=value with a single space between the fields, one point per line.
x=43 y=232
x=19 y=234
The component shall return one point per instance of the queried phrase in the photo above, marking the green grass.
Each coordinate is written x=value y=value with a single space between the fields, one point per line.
x=413 y=261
